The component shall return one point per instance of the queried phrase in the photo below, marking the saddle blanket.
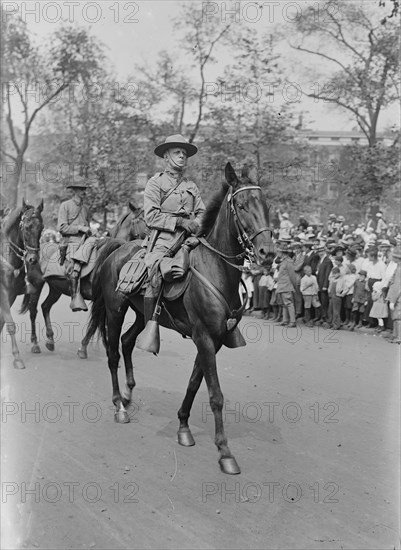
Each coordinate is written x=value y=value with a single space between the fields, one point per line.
x=50 y=262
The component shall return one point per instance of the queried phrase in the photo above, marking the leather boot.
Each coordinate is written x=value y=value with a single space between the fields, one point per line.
x=77 y=301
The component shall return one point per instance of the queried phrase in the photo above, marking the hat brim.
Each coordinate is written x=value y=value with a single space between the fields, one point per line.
x=76 y=186
x=189 y=147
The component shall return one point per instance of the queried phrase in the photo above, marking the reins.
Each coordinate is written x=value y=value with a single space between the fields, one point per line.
x=242 y=236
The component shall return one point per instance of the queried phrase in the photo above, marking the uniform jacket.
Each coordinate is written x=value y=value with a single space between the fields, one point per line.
x=299 y=262
x=394 y=293
x=185 y=201
x=67 y=225
x=323 y=272
x=287 y=280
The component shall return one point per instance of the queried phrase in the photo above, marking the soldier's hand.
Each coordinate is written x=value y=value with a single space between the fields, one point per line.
x=191 y=226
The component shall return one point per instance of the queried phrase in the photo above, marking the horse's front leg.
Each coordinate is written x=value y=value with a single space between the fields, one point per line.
x=184 y=434
x=33 y=311
x=11 y=329
x=207 y=356
x=51 y=299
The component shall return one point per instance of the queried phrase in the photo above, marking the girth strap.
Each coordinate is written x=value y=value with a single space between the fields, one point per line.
x=234 y=315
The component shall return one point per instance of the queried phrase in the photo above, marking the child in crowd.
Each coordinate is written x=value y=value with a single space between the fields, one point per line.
x=334 y=299
x=309 y=291
x=275 y=300
x=379 y=308
x=266 y=285
x=359 y=300
x=347 y=291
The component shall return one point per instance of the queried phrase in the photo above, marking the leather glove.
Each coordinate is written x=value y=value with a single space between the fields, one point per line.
x=191 y=226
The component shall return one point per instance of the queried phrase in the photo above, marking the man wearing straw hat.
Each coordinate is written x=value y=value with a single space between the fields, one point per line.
x=172 y=208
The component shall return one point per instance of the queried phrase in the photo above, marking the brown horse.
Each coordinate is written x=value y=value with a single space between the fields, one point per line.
x=129 y=227
x=236 y=226
x=20 y=272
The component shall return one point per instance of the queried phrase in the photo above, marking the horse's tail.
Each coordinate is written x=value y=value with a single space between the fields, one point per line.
x=25 y=304
x=97 y=320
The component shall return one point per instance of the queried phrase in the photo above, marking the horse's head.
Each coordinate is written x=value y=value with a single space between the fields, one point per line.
x=31 y=227
x=137 y=225
x=250 y=214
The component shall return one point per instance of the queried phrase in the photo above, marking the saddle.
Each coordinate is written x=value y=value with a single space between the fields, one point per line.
x=134 y=277
x=50 y=262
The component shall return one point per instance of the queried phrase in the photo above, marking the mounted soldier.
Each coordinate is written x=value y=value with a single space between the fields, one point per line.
x=76 y=244
x=172 y=208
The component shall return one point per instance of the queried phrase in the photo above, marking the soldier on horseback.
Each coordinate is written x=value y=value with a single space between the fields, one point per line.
x=172 y=207
x=73 y=224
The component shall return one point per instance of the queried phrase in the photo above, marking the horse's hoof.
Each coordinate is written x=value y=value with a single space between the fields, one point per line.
x=185 y=438
x=229 y=465
x=82 y=354
x=36 y=349
x=18 y=364
x=121 y=417
x=50 y=346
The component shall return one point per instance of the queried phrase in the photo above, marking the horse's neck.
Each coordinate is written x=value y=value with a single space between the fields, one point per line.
x=12 y=234
x=224 y=233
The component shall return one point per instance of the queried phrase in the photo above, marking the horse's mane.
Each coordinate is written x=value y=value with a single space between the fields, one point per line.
x=119 y=223
x=212 y=210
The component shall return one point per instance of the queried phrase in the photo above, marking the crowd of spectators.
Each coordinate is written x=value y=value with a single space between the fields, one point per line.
x=338 y=275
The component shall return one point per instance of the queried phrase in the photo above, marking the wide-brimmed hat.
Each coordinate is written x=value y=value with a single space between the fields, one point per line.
x=176 y=140
x=379 y=214
x=320 y=248
x=384 y=244
x=285 y=215
x=307 y=242
x=332 y=216
x=362 y=272
x=76 y=182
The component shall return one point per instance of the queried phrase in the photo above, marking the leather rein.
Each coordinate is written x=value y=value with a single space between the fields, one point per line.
x=243 y=238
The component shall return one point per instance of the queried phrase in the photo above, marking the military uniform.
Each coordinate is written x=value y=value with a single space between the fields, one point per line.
x=182 y=200
x=72 y=215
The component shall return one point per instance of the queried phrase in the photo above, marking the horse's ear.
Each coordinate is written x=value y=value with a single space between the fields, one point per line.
x=24 y=205
x=231 y=176
x=132 y=207
x=40 y=207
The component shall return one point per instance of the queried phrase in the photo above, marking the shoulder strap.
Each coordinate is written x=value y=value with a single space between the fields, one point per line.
x=170 y=192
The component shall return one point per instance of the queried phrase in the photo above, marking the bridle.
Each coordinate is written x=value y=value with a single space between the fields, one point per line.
x=245 y=240
x=26 y=249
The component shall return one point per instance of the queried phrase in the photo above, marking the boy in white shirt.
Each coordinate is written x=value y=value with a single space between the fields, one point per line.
x=309 y=290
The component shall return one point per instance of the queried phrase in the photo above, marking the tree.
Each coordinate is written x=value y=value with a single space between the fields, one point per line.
x=363 y=55
x=71 y=57
x=200 y=40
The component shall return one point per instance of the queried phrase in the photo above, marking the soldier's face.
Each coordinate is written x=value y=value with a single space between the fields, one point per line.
x=176 y=157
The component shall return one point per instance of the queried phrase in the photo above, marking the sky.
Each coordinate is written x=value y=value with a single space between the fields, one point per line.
x=134 y=32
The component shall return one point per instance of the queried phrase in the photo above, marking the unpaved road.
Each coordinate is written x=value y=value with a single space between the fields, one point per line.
x=312 y=418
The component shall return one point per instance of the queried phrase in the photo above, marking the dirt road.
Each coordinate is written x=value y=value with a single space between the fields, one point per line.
x=311 y=416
